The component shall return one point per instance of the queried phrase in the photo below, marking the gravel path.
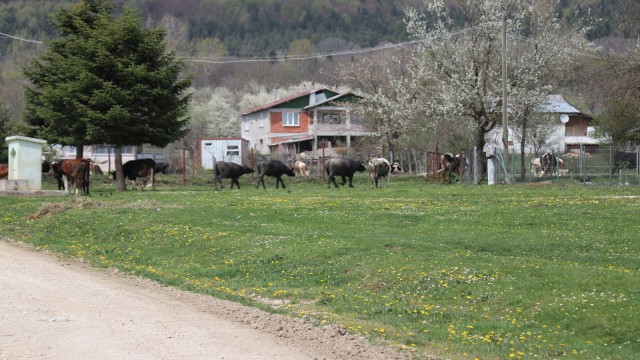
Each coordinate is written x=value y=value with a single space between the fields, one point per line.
x=52 y=308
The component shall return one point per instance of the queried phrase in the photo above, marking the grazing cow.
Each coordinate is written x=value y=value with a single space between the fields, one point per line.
x=535 y=166
x=449 y=165
x=229 y=170
x=624 y=160
x=94 y=169
x=379 y=168
x=139 y=168
x=161 y=168
x=301 y=168
x=549 y=163
x=4 y=171
x=46 y=167
x=344 y=168
x=72 y=173
x=274 y=168
x=56 y=170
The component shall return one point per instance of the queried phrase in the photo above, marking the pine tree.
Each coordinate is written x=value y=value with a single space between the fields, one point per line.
x=106 y=80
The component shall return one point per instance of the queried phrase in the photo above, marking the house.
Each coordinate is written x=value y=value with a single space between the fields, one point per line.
x=571 y=129
x=234 y=150
x=307 y=121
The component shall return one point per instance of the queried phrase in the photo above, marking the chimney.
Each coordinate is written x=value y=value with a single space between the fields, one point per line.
x=276 y=94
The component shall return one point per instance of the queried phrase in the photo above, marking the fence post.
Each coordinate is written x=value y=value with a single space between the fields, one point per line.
x=611 y=160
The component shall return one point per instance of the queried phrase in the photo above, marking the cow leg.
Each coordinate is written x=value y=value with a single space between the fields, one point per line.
x=350 y=181
x=332 y=178
x=281 y=181
x=261 y=180
x=235 y=181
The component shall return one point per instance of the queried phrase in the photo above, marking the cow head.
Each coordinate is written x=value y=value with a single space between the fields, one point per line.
x=396 y=168
x=247 y=170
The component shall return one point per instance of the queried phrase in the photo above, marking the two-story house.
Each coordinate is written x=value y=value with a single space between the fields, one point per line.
x=307 y=121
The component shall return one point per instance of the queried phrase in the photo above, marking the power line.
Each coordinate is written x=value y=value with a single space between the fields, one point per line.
x=318 y=56
x=524 y=38
x=333 y=54
x=303 y=57
x=19 y=38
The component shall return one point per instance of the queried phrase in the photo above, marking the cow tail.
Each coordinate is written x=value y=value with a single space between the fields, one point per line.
x=85 y=176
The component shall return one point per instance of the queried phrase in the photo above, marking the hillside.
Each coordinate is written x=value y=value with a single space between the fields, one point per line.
x=269 y=28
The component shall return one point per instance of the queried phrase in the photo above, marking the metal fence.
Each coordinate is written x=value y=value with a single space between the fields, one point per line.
x=604 y=165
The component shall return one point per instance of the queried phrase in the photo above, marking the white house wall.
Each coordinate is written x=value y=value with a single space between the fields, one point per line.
x=554 y=142
x=212 y=150
x=256 y=127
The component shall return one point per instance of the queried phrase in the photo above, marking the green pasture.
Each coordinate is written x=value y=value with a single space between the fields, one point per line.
x=546 y=271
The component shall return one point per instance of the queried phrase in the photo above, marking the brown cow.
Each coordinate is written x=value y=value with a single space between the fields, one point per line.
x=94 y=169
x=4 y=171
x=449 y=165
x=75 y=173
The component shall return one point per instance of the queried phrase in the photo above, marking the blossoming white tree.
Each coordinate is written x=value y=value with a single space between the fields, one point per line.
x=456 y=73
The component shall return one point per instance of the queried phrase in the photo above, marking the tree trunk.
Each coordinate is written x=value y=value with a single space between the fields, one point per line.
x=480 y=165
x=117 y=155
x=523 y=173
x=79 y=151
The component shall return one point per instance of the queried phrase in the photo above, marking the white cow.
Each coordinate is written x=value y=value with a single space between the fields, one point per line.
x=379 y=168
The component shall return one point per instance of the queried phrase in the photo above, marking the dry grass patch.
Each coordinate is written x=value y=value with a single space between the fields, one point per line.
x=88 y=203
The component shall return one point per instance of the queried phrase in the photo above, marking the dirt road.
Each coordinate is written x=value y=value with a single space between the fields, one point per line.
x=51 y=308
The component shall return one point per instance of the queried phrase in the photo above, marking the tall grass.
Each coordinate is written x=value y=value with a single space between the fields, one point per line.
x=459 y=271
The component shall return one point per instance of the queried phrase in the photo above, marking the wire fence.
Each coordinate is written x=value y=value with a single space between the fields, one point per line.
x=603 y=165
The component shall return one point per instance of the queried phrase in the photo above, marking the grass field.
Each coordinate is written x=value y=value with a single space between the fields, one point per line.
x=459 y=271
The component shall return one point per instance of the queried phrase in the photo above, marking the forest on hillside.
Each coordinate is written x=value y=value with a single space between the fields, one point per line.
x=268 y=28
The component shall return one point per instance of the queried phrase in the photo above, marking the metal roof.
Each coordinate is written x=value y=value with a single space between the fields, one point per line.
x=557 y=104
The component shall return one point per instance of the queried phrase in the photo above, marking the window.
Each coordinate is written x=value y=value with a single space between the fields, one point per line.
x=262 y=117
x=246 y=126
x=233 y=150
x=290 y=119
x=108 y=149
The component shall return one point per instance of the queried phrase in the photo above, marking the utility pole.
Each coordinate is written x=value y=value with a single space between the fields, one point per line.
x=505 y=115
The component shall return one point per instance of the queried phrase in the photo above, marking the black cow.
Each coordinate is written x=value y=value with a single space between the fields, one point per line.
x=275 y=168
x=140 y=168
x=549 y=164
x=624 y=160
x=56 y=168
x=46 y=167
x=344 y=168
x=229 y=170
x=161 y=168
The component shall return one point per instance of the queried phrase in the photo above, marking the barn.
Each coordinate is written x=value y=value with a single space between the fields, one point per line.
x=234 y=150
